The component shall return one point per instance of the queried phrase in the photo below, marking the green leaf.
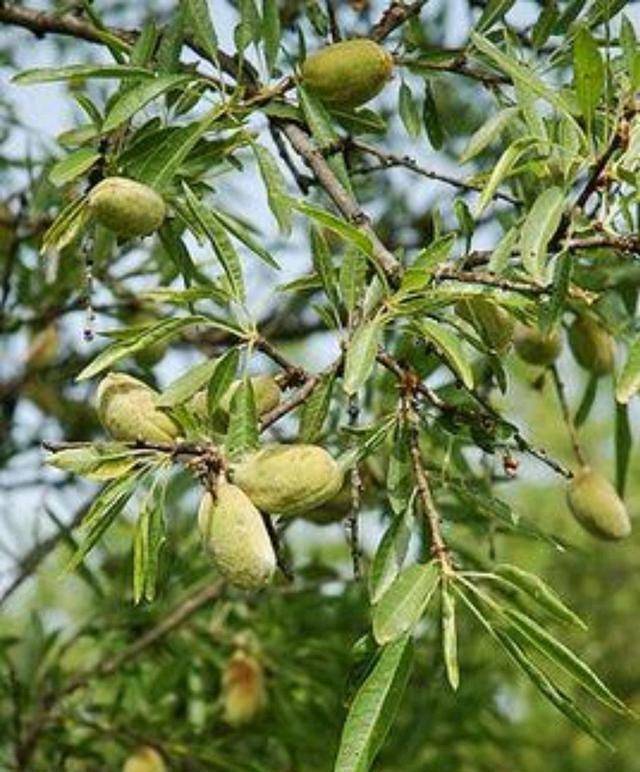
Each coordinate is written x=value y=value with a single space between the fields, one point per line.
x=450 y=347
x=502 y=169
x=361 y=355
x=431 y=118
x=219 y=240
x=487 y=133
x=148 y=541
x=551 y=311
x=138 y=340
x=201 y=25
x=399 y=483
x=72 y=166
x=134 y=99
x=492 y=12
x=562 y=656
x=315 y=409
x=350 y=233
x=409 y=112
x=588 y=72
x=184 y=387
x=522 y=75
x=324 y=266
x=539 y=228
x=374 y=707
x=107 y=461
x=270 y=32
x=248 y=29
x=171 y=42
x=403 y=604
x=353 y=276
x=161 y=165
x=391 y=553
x=243 y=433
x=624 y=443
x=587 y=401
x=629 y=46
x=240 y=232
x=222 y=378
x=499 y=260
x=418 y=275
x=274 y=182
x=81 y=72
x=537 y=589
x=104 y=510
x=449 y=635
x=629 y=379
x=66 y=227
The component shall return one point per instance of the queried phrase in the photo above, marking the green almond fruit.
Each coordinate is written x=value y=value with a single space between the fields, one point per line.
x=243 y=687
x=126 y=207
x=536 y=347
x=596 y=505
x=145 y=759
x=592 y=346
x=349 y=73
x=127 y=410
x=266 y=393
x=236 y=537
x=289 y=479
x=494 y=325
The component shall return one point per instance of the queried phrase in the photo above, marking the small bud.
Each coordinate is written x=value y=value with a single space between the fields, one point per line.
x=126 y=207
x=145 y=759
x=244 y=693
x=288 y=479
x=349 y=73
x=127 y=410
x=596 y=505
x=592 y=346
x=494 y=325
x=535 y=347
x=235 y=535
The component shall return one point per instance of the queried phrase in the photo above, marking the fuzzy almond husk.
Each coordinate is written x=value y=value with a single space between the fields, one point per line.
x=145 y=759
x=126 y=207
x=592 y=346
x=235 y=535
x=536 y=347
x=349 y=73
x=244 y=692
x=494 y=325
x=288 y=479
x=596 y=505
x=127 y=410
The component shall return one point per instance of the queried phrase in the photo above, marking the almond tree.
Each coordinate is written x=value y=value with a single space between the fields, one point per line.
x=190 y=431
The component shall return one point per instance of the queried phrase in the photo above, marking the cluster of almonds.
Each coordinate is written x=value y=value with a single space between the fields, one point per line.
x=286 y=480
x=591 y=498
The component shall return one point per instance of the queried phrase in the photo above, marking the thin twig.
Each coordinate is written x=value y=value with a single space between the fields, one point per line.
x=567 y=417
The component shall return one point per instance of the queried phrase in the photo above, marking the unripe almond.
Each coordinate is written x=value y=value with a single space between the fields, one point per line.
x=288 y=479
x=43 y=348
x=349 y=73
x=126 y=207
x=596 y=505
x=536 y=347
x=145 y=759
x=127 y=410
x=493 y=323
x=235 y=535
x=592 y=346
x=244 y=692
x=266 y=393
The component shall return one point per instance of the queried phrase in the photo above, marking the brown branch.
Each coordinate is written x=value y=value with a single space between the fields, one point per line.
x=388 y=160
x=348 y=207
x=395 y=16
